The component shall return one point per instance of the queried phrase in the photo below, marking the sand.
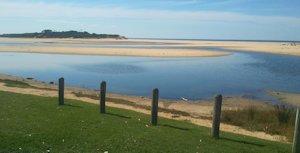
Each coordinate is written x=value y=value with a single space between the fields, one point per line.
x=99 y=47
x=141 y=47
x=286 y=48
x=289 y=98
x=141 y=52
x=200 y=111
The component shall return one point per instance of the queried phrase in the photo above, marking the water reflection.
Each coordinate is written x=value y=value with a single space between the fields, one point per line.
x=110 y=68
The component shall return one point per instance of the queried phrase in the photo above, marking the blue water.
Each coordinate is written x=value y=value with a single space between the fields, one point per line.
x=241 y=74
x=16 y=43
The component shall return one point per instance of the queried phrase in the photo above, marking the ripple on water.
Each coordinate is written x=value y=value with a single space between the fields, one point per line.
x=110 y=68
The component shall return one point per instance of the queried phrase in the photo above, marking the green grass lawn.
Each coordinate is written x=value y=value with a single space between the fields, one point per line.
x=37 y=124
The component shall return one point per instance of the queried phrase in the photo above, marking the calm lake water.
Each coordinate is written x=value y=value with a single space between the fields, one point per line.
x=241 y=74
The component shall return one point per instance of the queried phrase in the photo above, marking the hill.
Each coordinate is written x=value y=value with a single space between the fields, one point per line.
x=63 y=34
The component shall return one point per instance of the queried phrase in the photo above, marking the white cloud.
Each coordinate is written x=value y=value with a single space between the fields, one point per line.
x=43 y=10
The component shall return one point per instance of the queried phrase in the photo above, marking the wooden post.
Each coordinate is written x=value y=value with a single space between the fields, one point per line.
x=296 y=143
x=61 y=86
x=102 y=96
x=154 y=108
x=216 y=117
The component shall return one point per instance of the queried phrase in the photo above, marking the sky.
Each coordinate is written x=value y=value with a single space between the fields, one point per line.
x=174 y=19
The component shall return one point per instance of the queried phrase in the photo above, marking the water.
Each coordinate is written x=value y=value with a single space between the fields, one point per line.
x=243 y=73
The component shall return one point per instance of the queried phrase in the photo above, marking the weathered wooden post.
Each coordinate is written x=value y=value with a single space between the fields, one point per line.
x=216 y=117
x=154 y=108
x=296 y=143
x=61 y=90
x=102 y=96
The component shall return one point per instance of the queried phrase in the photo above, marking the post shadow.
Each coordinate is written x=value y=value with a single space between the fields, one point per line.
x=243 y=142
x=118 y=115
x=175 y=127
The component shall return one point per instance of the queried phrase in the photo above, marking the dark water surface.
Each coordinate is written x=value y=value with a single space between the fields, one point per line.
x=241 y=74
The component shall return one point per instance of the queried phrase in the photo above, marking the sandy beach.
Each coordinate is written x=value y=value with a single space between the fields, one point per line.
x=197 y=112
x=141 y=47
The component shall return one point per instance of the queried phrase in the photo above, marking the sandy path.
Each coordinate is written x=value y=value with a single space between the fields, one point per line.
x=196 y=109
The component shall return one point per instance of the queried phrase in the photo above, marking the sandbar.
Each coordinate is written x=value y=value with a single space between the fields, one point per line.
x=100 y=47
x=144 y=47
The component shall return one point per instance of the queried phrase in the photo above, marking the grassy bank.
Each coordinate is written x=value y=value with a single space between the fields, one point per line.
x=37 y=124
x=280 y=120
x=20 y=84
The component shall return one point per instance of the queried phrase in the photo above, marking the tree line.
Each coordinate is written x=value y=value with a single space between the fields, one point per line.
x=63 y=34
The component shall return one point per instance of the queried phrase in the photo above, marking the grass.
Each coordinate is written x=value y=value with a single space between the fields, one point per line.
x=20 y=84
x=280 y=120
x=15 y=83
x=37 y=124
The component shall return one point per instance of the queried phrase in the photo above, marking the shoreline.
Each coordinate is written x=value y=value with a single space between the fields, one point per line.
x=120 y=47
x=198 y=112
x=289 y=98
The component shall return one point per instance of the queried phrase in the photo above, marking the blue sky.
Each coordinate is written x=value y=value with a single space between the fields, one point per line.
x=194 y=19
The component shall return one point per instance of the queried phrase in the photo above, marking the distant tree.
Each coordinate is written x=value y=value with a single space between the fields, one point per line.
x=47 y=31
x=64 y=34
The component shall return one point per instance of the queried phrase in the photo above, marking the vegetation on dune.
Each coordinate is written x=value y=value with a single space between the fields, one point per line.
x=63 y=34
x=280 y=120
x=37 y=124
